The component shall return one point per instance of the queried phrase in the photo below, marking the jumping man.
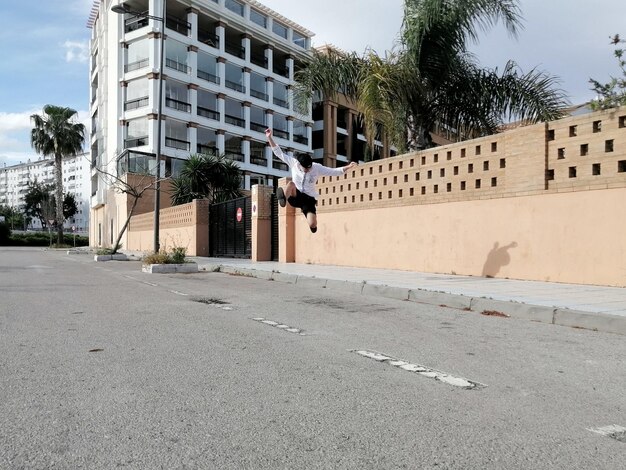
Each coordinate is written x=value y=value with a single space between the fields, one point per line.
x=301 y=191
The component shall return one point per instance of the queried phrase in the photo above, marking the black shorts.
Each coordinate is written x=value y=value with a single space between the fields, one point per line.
x=304 y=202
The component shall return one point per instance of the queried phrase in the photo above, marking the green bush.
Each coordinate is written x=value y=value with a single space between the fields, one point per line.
x=43 y=239
x=176 y=256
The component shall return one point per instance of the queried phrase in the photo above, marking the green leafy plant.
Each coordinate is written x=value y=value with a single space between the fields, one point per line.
x=178 y=254
x=175 y=256
x=613 y=93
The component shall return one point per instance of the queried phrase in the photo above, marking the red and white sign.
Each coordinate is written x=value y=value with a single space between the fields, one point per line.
x=239 y=214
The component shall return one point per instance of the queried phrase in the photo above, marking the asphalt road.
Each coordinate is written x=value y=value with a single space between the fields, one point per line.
x=103 y=366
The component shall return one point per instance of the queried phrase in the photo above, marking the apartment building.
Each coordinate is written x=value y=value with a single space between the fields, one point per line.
x=228 y=71
x=15 y=180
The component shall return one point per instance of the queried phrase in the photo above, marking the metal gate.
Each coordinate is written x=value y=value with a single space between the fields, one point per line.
x=230 y=228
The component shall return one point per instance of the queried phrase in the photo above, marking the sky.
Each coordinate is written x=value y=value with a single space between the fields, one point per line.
x=44 y=49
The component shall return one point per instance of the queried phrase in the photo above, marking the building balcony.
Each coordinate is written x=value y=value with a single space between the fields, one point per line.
x=177 y=143
x=209 y=38
x=259 y=94
x=301 y=139
x=235 y=49
x=207 y=149
x=257 y=160
x=280 y=102
x=135 y=23
x=235 y=156
x=209 y=77
x=208 y=113
x=280 y=133
x=172 y=64
x=235 y=121
x=135 y=142
x=260 y=60
x=136 y=103
x=139 y=64
x=235 y=86
x=279 y=165
x=255 y=126
x=178 y=25
x=178 y=105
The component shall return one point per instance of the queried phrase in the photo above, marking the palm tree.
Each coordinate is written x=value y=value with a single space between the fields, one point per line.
x=56 y=133
x=207 y=176
x=433 y=78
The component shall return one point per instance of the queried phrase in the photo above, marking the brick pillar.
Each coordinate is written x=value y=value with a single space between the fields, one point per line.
x=201 y=213
x=286 y=229
x=261 y=223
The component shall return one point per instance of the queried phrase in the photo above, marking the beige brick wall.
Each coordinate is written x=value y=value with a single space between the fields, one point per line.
x=505 y=205
x=513 y=163
x=186 y=225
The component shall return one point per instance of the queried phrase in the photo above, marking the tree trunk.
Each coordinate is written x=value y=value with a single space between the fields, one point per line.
x=58 y=170
x=123 y=229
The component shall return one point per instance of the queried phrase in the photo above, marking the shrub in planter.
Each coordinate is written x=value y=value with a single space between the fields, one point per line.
x=176 y=256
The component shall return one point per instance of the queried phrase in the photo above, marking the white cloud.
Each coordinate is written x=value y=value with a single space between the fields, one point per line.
x=76 y=51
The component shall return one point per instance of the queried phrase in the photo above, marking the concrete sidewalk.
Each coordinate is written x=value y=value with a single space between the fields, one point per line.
x=592 y=307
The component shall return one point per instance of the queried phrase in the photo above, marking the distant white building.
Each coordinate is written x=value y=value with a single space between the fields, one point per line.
x=14 y=181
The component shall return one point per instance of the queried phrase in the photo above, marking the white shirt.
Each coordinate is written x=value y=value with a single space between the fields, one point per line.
x=305 y=181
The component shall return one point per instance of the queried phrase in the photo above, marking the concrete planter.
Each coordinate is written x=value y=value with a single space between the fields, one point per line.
x=115 y=257
x=170 y=268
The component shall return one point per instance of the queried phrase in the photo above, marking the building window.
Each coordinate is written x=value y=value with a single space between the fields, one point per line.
x=258 y=121
x=279 y=29
x=299 y=39
x=176 y=56
x=207 y=68
x=136 y=94
x=281 y=97
x=207 y=105
x=137 y=56
x=177 y=96
x=258 y=18
x=234 y=113
x=232 y=147
x=257 y=153
x=300 y=132
x=280 y=126
x=234 y=6
x=176 y=135
x=258 y=86
x=136 y=133
x=234 y=78
x=207 y=141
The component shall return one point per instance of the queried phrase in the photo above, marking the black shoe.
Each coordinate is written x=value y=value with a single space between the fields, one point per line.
x=280 y=194
x=313 y=229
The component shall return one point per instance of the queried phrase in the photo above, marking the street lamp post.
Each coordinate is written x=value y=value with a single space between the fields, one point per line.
x=123 y=8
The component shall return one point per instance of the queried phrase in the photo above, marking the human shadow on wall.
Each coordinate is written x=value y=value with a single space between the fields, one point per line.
x=497 y=257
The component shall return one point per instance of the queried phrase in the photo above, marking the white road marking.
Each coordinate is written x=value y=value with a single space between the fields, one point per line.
x=280 y=326
x=139 y=280
x=615 y=431
x=178 y=293
x=421 y=370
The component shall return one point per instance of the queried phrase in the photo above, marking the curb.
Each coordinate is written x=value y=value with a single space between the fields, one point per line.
x=595 y=321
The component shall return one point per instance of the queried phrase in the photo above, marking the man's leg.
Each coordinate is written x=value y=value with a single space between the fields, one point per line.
x=284 y=195
x=311 y=218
